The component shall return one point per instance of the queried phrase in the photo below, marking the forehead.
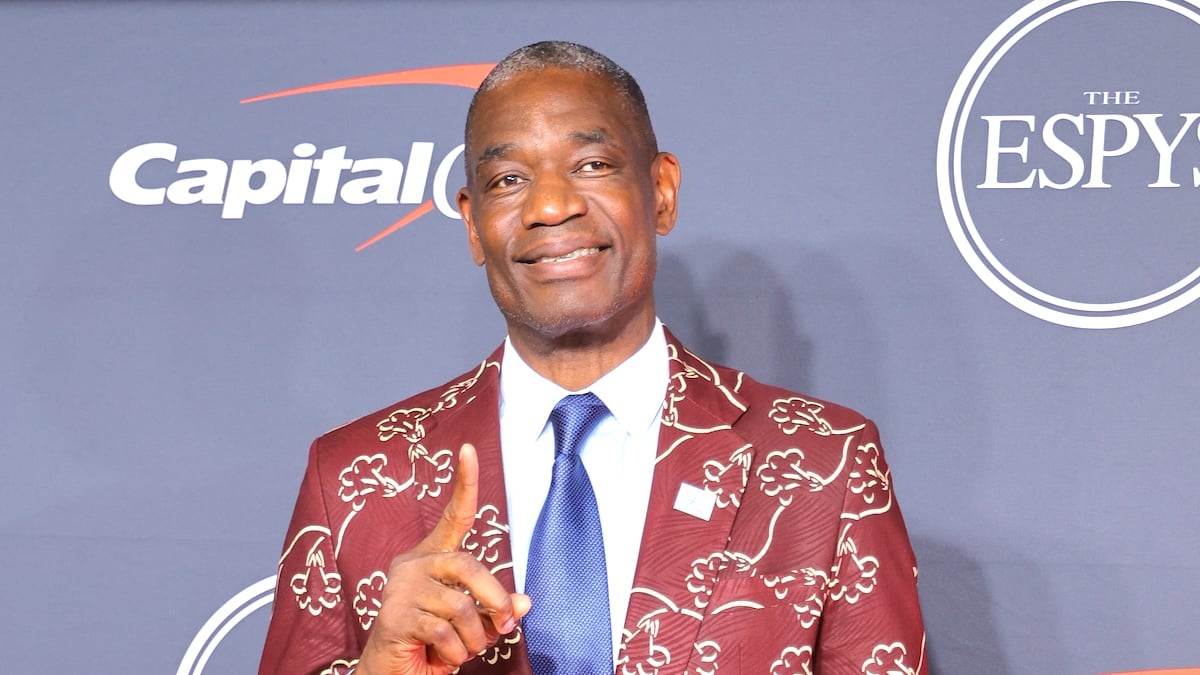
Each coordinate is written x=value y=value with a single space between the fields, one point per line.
x=547 y=105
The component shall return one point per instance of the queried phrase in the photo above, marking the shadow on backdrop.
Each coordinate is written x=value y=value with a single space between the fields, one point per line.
x=957 y=606
x=743 y=318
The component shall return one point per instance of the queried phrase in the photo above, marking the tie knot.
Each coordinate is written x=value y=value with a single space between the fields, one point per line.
x=573 y=418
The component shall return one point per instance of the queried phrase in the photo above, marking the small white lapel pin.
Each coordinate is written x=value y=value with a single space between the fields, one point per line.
x=695 y=501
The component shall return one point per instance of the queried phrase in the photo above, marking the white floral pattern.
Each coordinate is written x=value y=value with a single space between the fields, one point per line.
x=365 y=477
x=796 y=413
x=888 y=659
x=793 y=661
x=487 y=536
x=315 y=587
x=751 y=599
x=368 y=599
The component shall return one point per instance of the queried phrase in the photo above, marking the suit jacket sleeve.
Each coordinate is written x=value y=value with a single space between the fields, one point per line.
x=872 y=622
x=311 y=632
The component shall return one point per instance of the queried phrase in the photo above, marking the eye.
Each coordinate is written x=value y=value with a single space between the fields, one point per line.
x=594 y=166
x=506 y=181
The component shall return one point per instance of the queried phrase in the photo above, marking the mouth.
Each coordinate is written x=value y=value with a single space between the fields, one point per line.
x=573 y=255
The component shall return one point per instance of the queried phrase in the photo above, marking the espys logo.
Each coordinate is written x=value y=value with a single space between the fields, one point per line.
x=229 y=615
x=1069 y=161
x=307 y=178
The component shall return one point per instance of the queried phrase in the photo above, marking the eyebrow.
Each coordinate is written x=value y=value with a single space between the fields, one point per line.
x=590 y=137
x=495 y=152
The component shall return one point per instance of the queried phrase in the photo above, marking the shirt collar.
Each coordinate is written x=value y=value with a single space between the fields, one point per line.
x=633 y=391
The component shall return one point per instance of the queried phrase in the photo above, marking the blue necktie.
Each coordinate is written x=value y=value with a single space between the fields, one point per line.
x=569 y=631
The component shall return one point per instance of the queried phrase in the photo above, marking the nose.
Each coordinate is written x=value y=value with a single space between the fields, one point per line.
x=552 y=199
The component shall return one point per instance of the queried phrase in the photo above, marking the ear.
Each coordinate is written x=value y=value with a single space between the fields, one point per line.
x=464 y=208
x=664 y=171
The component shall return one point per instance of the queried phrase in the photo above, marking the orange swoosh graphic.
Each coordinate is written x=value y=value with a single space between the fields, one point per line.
x=464 y=75
x=425 y=207
x=467 y=75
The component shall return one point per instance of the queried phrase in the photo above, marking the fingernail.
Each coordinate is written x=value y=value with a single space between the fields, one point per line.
x=508 y=626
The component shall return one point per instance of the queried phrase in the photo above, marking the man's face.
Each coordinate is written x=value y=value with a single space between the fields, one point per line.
x=563 y=204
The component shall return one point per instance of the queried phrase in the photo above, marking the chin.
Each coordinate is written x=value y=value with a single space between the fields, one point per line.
x=563 y=324
x=555 y=321
x=554 y=316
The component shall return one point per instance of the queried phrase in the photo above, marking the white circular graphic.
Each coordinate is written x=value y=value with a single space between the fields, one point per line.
x=256 y=595
x=971 y=245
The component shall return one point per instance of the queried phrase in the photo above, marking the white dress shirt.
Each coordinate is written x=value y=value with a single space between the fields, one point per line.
x=619 y=457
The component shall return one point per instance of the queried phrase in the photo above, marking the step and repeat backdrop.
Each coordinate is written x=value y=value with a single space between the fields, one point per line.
x=229 y=227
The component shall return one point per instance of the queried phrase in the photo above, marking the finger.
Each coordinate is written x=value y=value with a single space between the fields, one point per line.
x=458 y=611
x=521 y=604
x=459 y=515
x=440 y=622
x=440 y=641
x=461 y=571
x=498 y=623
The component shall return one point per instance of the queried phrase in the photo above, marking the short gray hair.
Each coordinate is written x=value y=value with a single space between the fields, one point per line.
x=567 y=56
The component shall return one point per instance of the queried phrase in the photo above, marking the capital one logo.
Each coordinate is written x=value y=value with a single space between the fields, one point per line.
x=1069 y=161
x=307 y=177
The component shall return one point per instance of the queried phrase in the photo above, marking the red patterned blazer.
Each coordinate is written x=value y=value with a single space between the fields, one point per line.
x=804 y=565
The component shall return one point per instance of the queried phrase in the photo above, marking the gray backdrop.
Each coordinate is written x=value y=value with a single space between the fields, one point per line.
x=163 y=369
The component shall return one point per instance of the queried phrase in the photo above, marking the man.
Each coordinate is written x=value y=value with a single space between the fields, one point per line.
x=728 y=525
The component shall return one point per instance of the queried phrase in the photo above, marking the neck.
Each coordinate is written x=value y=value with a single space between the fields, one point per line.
x=576 y=359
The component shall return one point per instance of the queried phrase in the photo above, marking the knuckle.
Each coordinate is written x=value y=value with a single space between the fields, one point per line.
x=442 y=634
x=505 y=605
x=456 y=564
x=463 y=609
x=454 y=522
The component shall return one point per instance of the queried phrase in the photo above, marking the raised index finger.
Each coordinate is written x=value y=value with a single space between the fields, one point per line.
x=459 y=515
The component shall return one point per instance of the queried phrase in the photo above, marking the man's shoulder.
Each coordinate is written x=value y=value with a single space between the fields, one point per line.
x=412 y=417
x=780 y=404
x=772 y=407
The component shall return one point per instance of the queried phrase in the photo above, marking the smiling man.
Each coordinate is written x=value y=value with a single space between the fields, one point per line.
x=592 y=497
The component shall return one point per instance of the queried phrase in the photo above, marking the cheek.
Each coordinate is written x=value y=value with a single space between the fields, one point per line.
x=646 y=267
x=505 y=291
x=492 y=241
x=642 y=244
x=637 y=269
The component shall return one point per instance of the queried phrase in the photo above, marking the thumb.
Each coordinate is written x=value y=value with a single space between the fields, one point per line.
x=459 y=515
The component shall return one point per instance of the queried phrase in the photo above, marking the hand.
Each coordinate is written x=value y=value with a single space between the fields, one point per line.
x=427 y=624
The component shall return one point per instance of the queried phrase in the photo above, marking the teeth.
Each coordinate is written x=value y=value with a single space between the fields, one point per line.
x=572 y=255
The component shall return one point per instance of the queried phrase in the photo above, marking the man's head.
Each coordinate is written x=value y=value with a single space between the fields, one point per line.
x=566 y=193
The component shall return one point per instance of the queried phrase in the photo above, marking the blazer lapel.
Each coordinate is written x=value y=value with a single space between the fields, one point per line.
x=472 y=416
x=702 y=464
